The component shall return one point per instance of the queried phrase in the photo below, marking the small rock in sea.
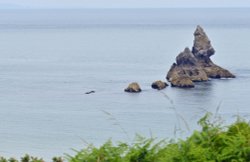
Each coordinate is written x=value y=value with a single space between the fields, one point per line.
x=159 y=85
x=196 y=65
x=133 y=88
x=90 y=92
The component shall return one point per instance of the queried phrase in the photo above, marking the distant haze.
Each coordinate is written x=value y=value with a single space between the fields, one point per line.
x=13 y=4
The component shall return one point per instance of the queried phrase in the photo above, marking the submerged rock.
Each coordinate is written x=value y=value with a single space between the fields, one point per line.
x=89 y=92
x=159 y=85
x=196 y=65
x=133 y=88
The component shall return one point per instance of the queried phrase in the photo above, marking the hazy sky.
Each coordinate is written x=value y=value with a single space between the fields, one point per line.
x=121 y=3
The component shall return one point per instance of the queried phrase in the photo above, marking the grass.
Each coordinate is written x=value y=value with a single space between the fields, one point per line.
x=213 y=143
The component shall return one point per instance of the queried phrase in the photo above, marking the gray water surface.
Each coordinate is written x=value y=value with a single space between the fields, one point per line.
x=46 y=68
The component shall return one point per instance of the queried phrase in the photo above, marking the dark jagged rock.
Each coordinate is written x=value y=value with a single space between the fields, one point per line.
x=196 y=65
x=202 y=46
x=186 y=58
x=186 y=67
x=159 y=85
x=202 y=50
x=133 y=88
x=217 y=72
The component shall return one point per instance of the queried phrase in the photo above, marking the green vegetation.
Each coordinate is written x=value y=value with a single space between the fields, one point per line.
x=27 y=158
x=214 y=143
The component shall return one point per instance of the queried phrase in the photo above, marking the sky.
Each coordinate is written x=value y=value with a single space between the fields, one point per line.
x=122 y=3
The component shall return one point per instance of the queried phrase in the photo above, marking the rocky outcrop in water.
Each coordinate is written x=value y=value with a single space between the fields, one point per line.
x=133 y=88
x=159 y=85
x=196 y=65
x=89 y=92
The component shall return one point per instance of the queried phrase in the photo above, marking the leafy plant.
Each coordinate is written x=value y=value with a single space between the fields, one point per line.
x=213 y=143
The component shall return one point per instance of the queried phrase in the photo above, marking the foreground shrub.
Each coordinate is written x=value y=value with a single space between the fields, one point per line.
x=25 y=158
x=214 y=143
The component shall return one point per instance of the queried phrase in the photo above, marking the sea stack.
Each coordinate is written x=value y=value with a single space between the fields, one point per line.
x=196 y=65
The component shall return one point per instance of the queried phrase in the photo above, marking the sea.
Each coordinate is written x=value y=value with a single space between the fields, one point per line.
x=50 y=58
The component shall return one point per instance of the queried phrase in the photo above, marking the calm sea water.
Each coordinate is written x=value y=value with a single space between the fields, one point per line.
x=49 y=59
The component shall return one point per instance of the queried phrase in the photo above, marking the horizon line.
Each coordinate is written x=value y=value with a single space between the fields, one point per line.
x=79 y=8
